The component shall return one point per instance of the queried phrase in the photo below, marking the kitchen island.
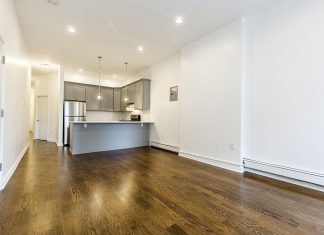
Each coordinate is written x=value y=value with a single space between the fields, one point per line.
x=97 y=136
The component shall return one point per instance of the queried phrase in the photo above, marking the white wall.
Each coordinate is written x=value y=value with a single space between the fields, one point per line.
x=164 y=113
x=16 y=90
x=286 y=84
x=47 y=85
x=91 y=79
x=210 y=97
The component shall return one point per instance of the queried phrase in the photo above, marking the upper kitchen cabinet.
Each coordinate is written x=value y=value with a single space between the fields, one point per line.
x=80 y=92
x=136 y=94
x=93 y=104
x=131 y=93
x=117 y=100
x=123 y=99
x=142 y=94
x=69 y=91
x=74 y=92
x=107 y=99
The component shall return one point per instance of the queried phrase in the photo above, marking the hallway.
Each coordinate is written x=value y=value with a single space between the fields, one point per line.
x=148 y=191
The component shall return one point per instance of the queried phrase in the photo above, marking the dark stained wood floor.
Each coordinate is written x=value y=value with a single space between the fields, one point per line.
x=148 y=191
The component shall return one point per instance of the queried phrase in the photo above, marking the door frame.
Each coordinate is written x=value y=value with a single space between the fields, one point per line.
x=36 y=116
x=2 y=106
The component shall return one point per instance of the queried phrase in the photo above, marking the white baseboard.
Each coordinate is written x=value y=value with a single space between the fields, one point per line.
x=51 y=140
x=12 y=169
x=168 y=147
x=219 y=163
x=59 y=144
x=300 y=177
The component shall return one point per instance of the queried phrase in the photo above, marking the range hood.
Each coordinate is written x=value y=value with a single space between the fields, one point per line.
x=130 y=107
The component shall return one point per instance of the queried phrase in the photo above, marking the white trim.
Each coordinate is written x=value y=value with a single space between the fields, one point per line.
x=2 y=106
x=59 y=144
x=12 y=169
x=285 y=179
x=215 y=162
x=168 y=147
x=51 y=140
x=288 y=174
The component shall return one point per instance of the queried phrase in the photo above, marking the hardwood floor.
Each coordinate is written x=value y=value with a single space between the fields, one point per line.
x=148 y=191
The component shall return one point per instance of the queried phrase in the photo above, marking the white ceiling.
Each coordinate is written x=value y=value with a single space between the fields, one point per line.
x=115 y=28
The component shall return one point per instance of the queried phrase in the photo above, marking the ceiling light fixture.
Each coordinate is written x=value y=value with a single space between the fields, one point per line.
x=70 y=29
x=80 y=70
x=179 y=20
x=53 y=2
x=46 y=65
x=125 y=96
x=99 y=97
x=140 y=49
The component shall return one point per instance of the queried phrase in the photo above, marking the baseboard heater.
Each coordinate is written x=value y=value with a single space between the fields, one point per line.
x=167 y=147
x=294 y=174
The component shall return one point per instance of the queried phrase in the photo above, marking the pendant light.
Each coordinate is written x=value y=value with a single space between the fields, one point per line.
x=125 y=96
x=99 y=93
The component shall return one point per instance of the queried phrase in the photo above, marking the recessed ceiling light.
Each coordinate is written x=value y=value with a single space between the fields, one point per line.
x=70 y=29
x=179 y=20
x=140 y=49
x=46 y=65
x=80 y=70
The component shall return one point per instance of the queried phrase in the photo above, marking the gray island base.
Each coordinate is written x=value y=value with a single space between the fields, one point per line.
x=89 y=137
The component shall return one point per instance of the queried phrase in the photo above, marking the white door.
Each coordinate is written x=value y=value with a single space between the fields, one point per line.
x=1 y=104
x=41 y=118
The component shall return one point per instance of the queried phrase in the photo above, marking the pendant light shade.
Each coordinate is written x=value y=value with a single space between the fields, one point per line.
x=99 y=96
x=125 y=96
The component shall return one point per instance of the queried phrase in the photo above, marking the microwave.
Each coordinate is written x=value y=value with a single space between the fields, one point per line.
x=135 y=117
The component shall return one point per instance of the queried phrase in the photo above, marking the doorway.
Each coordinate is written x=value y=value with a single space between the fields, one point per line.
x=41 y=124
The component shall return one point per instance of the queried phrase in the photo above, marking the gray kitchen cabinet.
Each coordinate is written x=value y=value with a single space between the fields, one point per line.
x=113 y=99
x=93 y=104
x=79 y=92
x=107 y=99
x=142 y=94
x=69 y=91
x=74 y=92
x=131 y=93
x=117 y=100
x=123 y=102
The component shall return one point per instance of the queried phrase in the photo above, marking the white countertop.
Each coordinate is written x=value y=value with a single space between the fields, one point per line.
x=109 y=122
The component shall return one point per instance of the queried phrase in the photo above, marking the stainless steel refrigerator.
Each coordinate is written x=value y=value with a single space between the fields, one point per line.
x=73 y=111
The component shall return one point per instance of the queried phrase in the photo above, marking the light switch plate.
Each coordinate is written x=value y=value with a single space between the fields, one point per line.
x=174 y=93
